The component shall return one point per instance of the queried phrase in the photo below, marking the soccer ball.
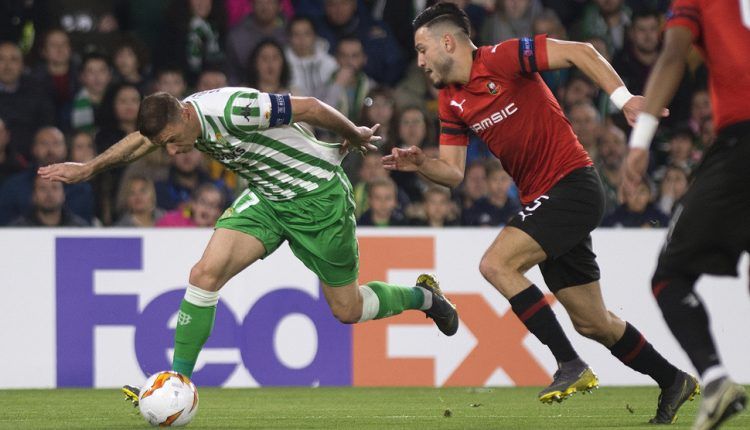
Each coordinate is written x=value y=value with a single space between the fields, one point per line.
x=168 y=399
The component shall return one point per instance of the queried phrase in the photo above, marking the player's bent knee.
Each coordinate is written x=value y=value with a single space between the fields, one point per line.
x=592 y=330
x=346 y=314
x=205 y=278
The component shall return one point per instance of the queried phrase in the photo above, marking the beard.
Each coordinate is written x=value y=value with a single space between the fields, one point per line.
x=442 y=68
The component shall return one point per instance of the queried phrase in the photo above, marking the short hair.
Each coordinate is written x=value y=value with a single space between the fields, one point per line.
x=440 y=13
x=385 y=181
x=642 y=13
x=94 y=56
x=156 y=112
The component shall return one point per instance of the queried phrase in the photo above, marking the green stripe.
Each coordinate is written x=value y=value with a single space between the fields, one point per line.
x=281 y=167
x=227 y=122
x=246 y=95
x=284 y=149
x=283 y=185
x=204 y=132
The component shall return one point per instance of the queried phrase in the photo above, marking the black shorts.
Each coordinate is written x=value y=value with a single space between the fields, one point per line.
x=561 y=221
x=710 y=226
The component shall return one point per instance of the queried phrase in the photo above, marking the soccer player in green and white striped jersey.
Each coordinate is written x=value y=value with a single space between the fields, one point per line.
x=297 y=193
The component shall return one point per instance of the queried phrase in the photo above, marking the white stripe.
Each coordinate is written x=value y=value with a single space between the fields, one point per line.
x=370 y=303
x=200 y=297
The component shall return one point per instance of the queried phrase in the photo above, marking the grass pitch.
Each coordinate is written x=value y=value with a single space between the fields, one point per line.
x=353 y=408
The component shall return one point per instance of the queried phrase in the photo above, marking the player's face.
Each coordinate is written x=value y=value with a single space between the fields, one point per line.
x=176 y=138
x=432 y=58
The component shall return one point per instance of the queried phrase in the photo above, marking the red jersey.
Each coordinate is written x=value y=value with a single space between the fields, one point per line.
x=721 y=29
x=508 y=105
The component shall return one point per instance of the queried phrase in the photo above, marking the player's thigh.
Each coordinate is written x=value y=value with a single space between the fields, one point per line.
x=710 y=226
x=565 y=215
x=321 y=230
x=227 y=253
x=514 y=249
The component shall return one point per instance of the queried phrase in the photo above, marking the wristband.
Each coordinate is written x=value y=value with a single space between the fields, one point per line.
x=644 y=130
x=620 y=96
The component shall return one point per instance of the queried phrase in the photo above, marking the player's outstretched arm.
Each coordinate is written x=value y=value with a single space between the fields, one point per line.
x=447 y=170
x=129 y=148
x=319 y=114
x=562 y=54
x=660 y=88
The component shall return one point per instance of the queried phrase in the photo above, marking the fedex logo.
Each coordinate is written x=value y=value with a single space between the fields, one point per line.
x=403 y=350
x=495 y=118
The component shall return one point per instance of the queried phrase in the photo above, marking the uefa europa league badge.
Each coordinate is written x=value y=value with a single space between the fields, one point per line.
x=492 y=87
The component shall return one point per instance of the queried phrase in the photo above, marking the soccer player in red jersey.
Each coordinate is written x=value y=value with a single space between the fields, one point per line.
x=496 y=92
x=710 y=227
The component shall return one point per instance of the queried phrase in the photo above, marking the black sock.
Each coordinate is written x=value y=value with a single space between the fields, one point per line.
x=533 y=310
x=687 y=318
x=637 y=353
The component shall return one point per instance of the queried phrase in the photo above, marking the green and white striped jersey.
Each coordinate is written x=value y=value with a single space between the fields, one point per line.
x=252 y=134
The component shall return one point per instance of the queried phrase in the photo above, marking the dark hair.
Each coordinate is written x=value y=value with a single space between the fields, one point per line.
x=141 y=51
x=252 y=68
x=156 y=112
x=645 y=13
x=93 y=56
x=301 y=18
x=107 y=115
x=443 y=12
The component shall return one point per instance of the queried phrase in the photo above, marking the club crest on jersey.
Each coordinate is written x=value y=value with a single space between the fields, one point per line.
x=492 y=87
x=221 y=139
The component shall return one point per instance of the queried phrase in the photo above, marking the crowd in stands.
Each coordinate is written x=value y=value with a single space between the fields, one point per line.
x=73 y=73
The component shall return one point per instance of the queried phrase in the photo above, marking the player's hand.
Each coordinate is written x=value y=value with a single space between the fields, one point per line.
x=405 y=160
x=68 y=173
x=633 y=170
x=634 y=106
x=362 y=141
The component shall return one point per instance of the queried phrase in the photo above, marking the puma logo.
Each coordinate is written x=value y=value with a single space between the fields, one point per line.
x=459 y=105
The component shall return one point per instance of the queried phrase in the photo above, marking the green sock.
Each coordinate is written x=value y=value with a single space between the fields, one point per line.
x=194 y=325
x=394 y=299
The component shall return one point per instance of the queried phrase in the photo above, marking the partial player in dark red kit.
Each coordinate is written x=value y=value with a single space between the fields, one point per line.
x=496 y=92
x=710 y=227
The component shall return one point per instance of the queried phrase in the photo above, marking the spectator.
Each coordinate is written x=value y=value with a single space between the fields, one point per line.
x=96 y=74
x=586 y=123
x=186 y=174
x=15 y=193
x=48 y=207
x=682 y=152
x=239 y=9
x=612 y=148
x=211 y=79
x=672 y=188
x=370 y=169
x=511 y=19
x=385 y=60
x=437 y=208
x=82 y=147
x=202 y=210
x=577 y=89
x=130 y=61
x=416 y=89
x=412 y=131
x=379 y=107
x=172 y=81
x=137 y=203
x=700 y=109
x=474 y=186
x=265 y=22
x=634 y=63
x=497 y=207
x=637 y=210
x=268 y=68
x=309 y=60
x=57 y=73
x=10 y=161
x=23 y=106
x=195 y=31
x=350 y=84
x=606 y=19
x=118 y=114
x=381 y=194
